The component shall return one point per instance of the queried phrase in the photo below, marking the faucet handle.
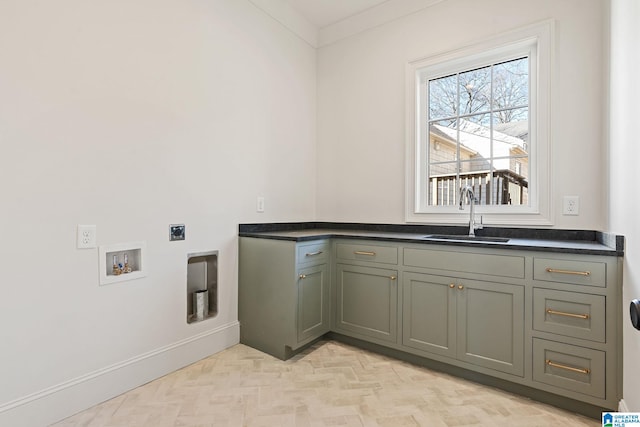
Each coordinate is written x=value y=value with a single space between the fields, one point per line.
x=479 y=226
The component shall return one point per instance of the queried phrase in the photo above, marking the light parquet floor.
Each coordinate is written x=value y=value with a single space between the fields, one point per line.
x=329 y=384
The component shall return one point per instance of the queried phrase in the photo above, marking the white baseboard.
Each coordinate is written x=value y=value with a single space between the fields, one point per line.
x=622 y=406
x=63 y=400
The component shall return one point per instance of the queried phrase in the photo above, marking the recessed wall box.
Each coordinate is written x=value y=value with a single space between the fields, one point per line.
x=122 y=262
x=202 y=286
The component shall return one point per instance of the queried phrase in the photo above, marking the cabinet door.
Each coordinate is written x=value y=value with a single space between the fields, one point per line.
x=429 y=313
x=313 y=302
x=490 y=321
x=367 y=300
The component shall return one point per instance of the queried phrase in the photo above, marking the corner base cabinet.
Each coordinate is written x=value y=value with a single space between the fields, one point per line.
x=283 y=294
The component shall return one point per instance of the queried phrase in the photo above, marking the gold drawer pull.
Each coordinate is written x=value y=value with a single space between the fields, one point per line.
x=451 y=285
x=562 y=313
x=392 y=277
x=365 y=253
x=302 y=276
x=460 y=287
x=313 y=253
x=568 y=368
x=576 y=273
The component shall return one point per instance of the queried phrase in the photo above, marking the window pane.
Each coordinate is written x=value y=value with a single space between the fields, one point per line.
x=475 y=90
x=475 y=143
x=511 y=84
x=441 y=169
x=442 y=184
x=516 y=119
x=511 y=137
x=479 y=178
x=443 y=141
x=511 y=181
x=443 y=97
x=511 y=157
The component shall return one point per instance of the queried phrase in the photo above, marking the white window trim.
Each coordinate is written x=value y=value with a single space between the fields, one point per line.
x=540 y=38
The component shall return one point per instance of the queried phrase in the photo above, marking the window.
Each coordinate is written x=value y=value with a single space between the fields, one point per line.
x=478 y=117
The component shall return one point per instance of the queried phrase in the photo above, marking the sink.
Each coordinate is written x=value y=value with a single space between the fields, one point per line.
x=459 y=237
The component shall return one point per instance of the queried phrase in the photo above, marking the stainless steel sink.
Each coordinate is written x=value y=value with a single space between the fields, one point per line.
x=465 y=238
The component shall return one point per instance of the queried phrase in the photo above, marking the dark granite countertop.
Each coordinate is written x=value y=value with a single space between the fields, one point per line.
x=547 y=240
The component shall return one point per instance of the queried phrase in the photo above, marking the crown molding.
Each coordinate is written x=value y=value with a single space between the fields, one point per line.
x=371 y=18
x=281 y=12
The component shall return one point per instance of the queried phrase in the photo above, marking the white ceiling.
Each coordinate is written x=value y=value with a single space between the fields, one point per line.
x=323 y=13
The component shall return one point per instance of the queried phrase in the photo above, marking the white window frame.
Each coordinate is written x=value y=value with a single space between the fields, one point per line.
x=536 y=42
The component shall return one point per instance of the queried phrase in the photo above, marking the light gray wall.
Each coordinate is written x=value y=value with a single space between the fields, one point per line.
x=361 y=104
x=132 y=115
x=624 y=199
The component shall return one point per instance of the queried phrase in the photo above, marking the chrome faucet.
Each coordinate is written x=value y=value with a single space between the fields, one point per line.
x=467 y=191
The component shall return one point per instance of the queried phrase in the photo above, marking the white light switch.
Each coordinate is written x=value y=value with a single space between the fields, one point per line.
x=86 y=236
x=260 y=204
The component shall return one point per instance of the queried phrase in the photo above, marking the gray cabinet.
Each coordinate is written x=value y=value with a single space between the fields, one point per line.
x=366 y=302
x=283 y=294
x=481 y=323
x=544 y=320
x=576 y=332
x=366 y=291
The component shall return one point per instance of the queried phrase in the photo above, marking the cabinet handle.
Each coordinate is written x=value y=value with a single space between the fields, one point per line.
x=392 y=277
x=562 y=313
x=460 y=287
x=313 y=253
x=365 y=253
x=451 y=285
x=576 y=273
x=302 y=276
x=568 y=368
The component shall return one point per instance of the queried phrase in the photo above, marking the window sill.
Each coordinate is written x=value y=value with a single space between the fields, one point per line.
x=458 y=217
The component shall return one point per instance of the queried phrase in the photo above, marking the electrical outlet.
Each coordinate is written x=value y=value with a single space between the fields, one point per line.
x=86 y=236
x=260 y=204
x=571 y=205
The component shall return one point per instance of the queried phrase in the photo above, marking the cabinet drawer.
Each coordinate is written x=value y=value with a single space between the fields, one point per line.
x=316 y=253
x=567 y=271
x=373 y=253
x=569 y=313
x=569 y=367
x=495 y=265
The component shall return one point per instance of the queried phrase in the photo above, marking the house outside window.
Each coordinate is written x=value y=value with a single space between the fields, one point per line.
x=479 y=117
